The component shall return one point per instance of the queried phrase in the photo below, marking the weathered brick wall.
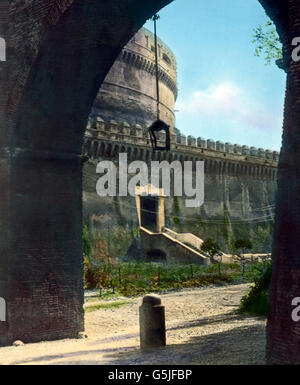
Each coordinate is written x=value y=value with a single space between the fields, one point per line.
x=283 y=337
x=58 y=54
x=238 y=186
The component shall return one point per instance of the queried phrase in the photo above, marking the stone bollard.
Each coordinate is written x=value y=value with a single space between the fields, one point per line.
x=152 y=323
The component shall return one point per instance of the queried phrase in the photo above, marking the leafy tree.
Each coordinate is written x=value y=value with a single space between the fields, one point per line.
x=242 y=245
x=210 y=247
x=256 y=301
x=213 y=250
x=267 y=43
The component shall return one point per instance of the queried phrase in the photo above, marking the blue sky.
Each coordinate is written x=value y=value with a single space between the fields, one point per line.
x=225 y=92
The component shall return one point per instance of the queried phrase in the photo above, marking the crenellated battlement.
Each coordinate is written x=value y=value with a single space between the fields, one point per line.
x=227 y=147
x=107 y=139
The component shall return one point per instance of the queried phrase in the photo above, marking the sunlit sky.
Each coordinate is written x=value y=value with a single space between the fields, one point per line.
x=225 y=92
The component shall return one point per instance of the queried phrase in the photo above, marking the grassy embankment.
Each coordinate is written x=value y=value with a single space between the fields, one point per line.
x=133 y=279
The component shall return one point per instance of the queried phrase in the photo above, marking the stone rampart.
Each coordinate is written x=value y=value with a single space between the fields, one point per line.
x=108 y=139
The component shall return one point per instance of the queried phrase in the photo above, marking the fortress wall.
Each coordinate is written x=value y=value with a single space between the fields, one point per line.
x=107 y=139
x=240 y=181
x=239 y=187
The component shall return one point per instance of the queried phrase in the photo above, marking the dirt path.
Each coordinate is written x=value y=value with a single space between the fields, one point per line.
x=202 y=328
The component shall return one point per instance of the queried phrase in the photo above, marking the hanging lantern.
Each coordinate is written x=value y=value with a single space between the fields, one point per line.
x=158 y=125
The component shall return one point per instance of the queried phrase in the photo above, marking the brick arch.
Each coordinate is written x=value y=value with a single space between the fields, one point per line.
x=43 y=144
x=47 y=93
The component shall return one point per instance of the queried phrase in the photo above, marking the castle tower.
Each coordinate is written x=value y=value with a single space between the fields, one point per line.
x=128 y=93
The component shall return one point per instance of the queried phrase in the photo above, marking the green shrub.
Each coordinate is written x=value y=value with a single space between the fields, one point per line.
x=256 y=301
x=108 y=305
x=87 y=241
x=90 y=276
x=132 y=279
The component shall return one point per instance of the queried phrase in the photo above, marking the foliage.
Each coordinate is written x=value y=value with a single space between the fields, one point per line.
x=244 y=244
x=256 y=301
x=118 y=240
x=108 y=245
x=108 y=305
x=87 y=241
x=241 y=245
x=261 y=236
x=131 y=279
x=223 y=229
x=267 y=42
x=210 y=247
x=213 y=250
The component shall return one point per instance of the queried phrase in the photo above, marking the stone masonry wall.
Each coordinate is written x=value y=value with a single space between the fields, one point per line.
x=240 y=184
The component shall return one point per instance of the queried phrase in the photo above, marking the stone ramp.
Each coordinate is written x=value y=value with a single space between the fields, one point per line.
x=173 y=250
x=194 y=242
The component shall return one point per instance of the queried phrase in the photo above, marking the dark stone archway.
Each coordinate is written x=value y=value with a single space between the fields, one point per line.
x=58 y=54
x=156 y=255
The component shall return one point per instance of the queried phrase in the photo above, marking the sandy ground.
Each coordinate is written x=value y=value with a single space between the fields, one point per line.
x=202 y=328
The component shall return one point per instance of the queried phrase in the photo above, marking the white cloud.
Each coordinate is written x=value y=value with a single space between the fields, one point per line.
x=230 y=102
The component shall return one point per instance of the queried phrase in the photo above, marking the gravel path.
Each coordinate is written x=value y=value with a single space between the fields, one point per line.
x=202 y=328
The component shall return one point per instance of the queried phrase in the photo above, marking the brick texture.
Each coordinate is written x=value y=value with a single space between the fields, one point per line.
x=59 y=52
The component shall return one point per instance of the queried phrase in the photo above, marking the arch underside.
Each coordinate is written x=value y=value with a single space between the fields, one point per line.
x=62 y=52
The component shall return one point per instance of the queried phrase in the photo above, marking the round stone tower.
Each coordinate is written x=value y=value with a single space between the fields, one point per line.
x=128 y=93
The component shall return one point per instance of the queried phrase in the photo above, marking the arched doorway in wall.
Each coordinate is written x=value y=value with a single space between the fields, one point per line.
x=215 y=166
x=62 y=89
x=157 y=255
